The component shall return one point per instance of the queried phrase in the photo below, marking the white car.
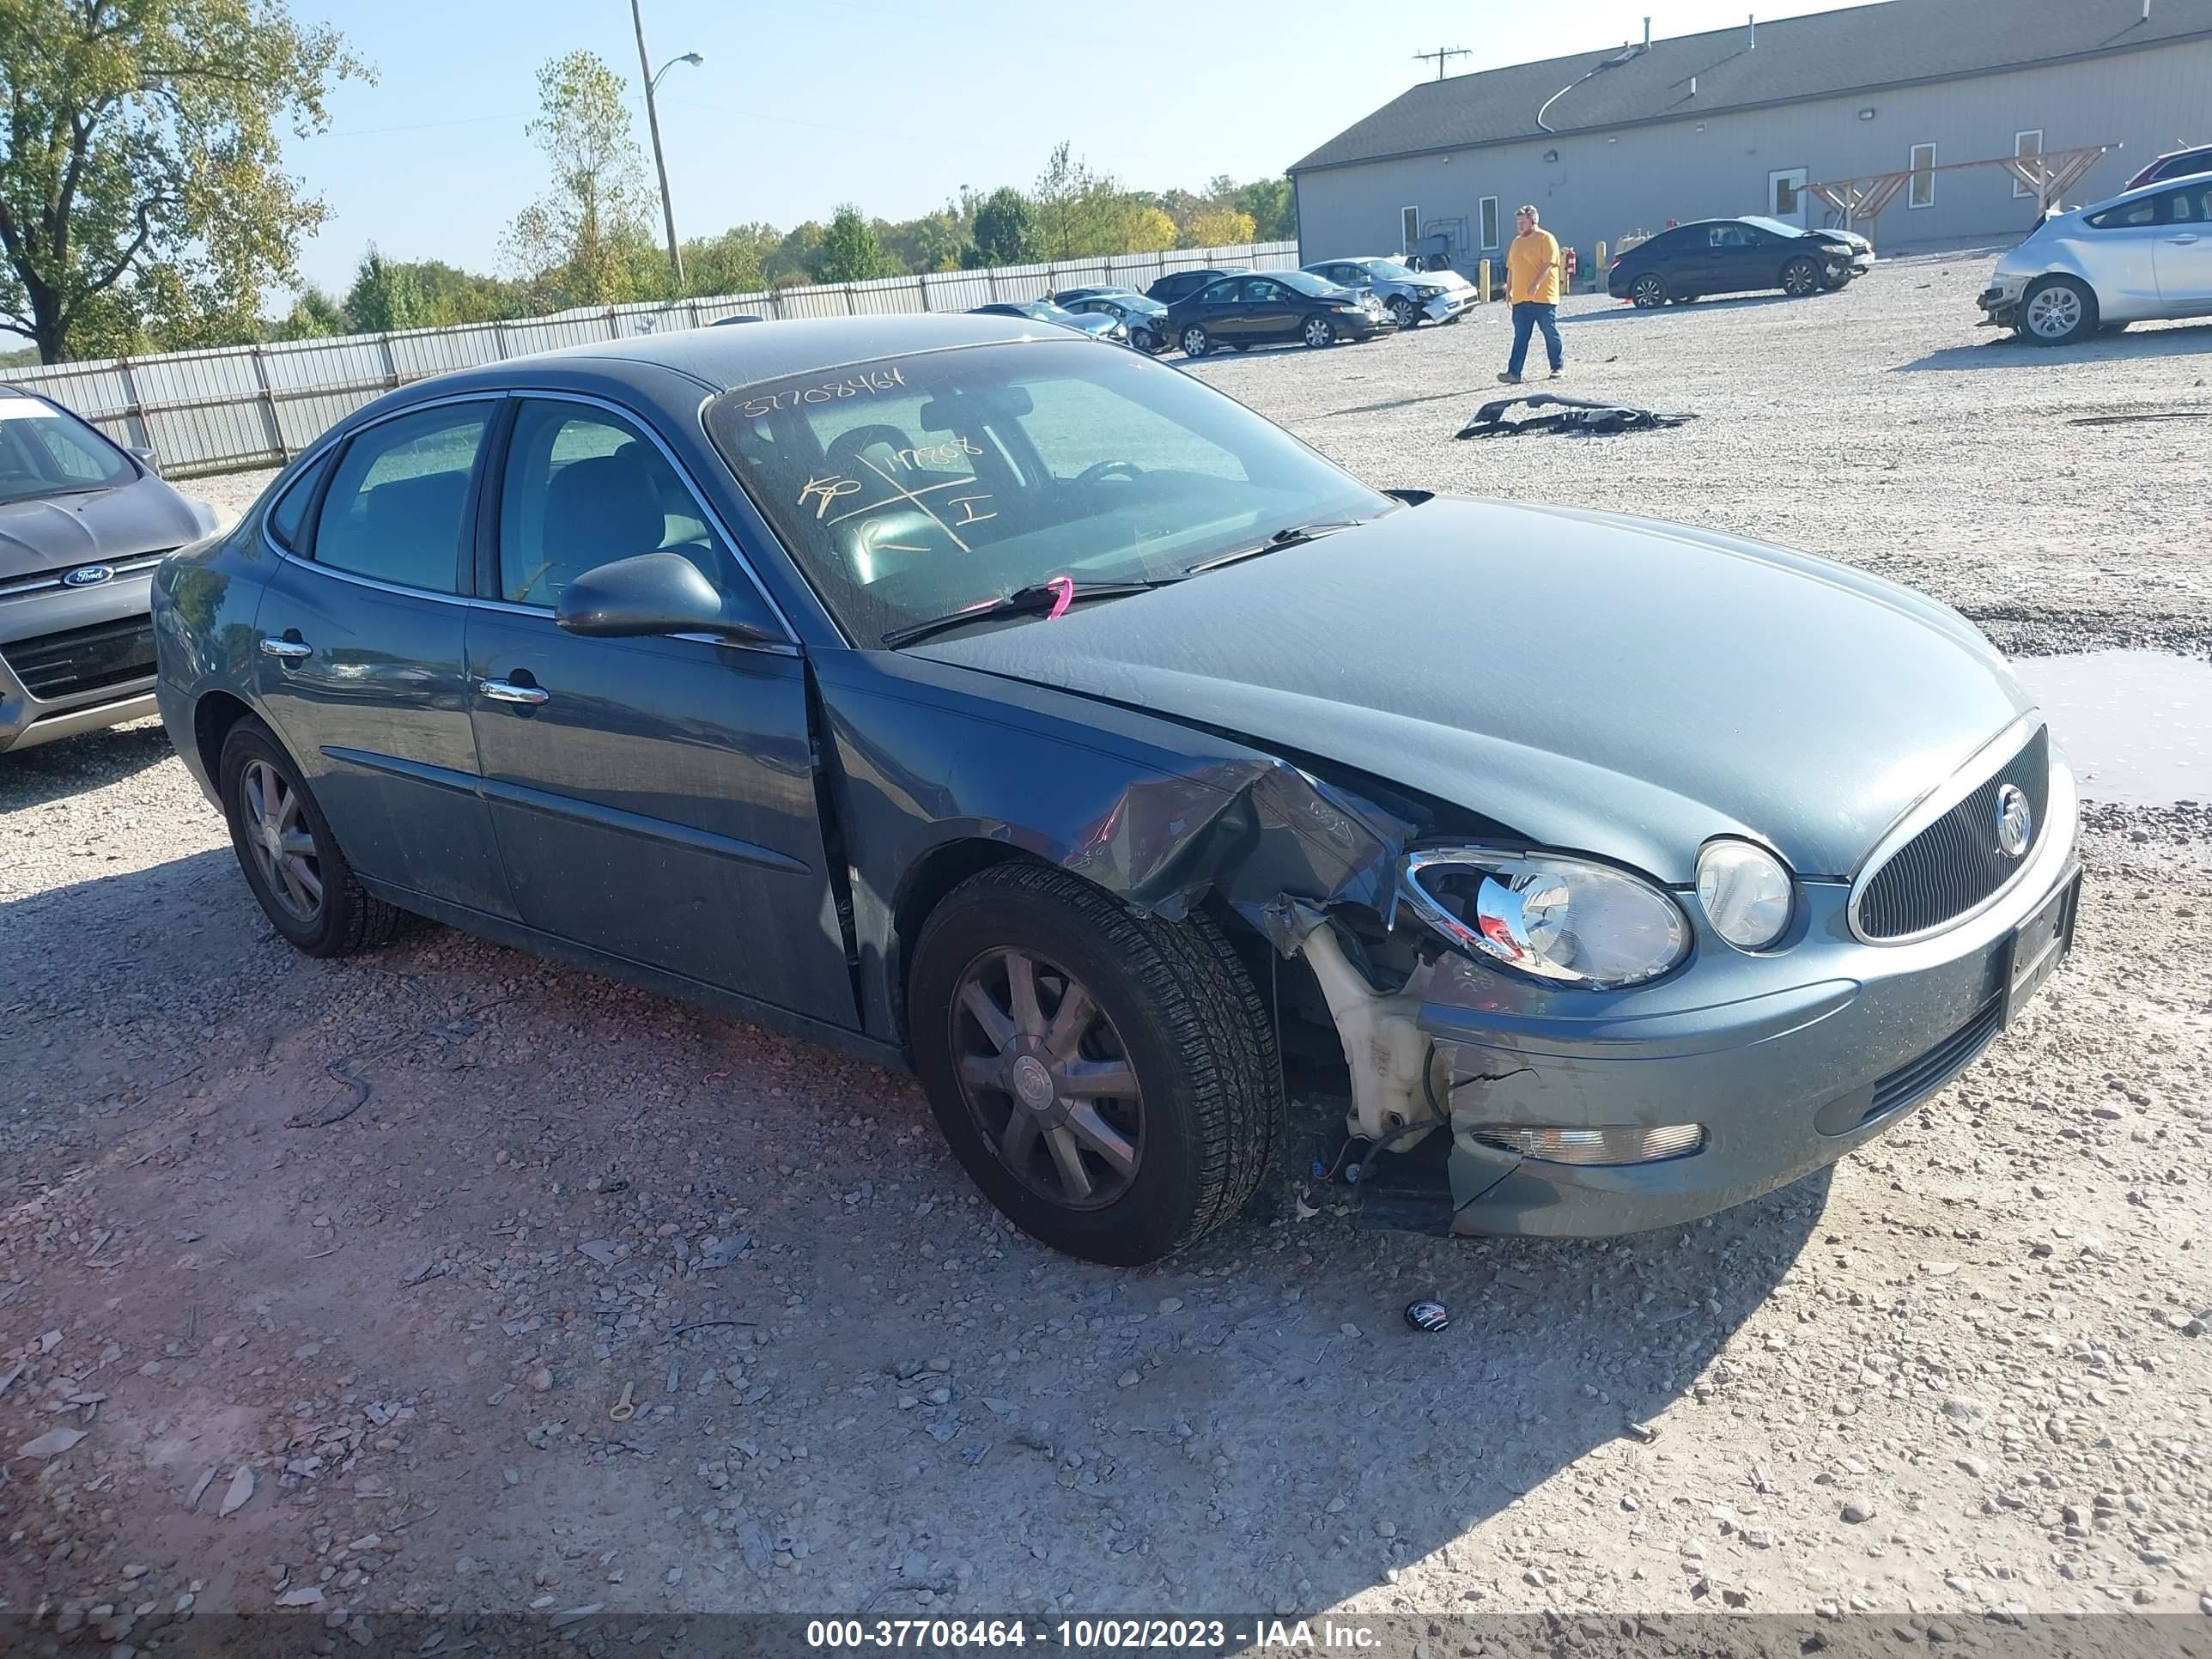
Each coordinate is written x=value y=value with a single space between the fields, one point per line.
x=2144 y=254
x=1410 y=296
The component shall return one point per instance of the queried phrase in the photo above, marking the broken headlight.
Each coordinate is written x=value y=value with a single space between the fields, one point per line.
x=1567 y=921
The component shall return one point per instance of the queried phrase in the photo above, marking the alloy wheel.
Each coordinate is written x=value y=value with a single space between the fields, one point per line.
x=1648 y=291
x=1318 y=332
x=1046 y=1079
x=1799 y=277
x=1402 y=309
x=1193 y=342
x=279 y=839
x=2054 y=312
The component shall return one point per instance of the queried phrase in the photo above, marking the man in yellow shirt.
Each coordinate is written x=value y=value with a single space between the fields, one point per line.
x=1532 y=283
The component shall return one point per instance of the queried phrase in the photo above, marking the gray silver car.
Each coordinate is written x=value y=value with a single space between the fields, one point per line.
x=1042 y=719
x=82 y=524
x=2142 y=255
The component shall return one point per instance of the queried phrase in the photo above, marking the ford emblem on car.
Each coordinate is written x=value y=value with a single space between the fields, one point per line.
x=2016 y=821
x=87 y=576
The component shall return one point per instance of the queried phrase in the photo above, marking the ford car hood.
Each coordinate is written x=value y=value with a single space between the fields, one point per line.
x=1599 y=683
x=97 y=527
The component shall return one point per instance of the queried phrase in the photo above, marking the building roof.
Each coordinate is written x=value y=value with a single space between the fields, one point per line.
x=1859 y=49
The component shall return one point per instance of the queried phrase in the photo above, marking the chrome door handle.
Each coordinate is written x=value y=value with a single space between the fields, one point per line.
x=286 y=650
x=507 y=691
x=2186 y=237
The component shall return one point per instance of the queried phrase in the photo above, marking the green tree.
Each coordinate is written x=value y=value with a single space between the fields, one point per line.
x=1222 y=227
x=576 y=243
x=850 y=251
x=1272 y=206
x=140 y=178
x=736 y=262
x=314 y=316
x=1006 y=229
x=384 y=296
x=933 y=242
x=795 y=256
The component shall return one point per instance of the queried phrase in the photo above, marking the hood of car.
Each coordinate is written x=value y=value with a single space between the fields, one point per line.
x=1596 y=684
x=60 y=532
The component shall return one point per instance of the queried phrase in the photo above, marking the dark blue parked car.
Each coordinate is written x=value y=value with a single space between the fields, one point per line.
x=1042 y=717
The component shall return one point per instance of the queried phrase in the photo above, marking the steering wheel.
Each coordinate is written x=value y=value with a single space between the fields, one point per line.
x=844 y=452
x=1101 y=470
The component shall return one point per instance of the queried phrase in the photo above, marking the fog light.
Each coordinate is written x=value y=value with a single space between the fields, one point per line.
x=1626 y=1143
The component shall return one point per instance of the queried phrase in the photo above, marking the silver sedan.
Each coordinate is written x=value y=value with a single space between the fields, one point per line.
x=2143 y=255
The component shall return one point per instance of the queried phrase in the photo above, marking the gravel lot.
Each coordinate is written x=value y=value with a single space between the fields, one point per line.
x=1964 y=1372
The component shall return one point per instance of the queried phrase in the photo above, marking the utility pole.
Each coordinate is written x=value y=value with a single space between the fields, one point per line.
x=653 y=120
x=1443 y=54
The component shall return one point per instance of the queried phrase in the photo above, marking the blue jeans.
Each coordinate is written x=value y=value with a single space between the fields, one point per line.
x=1528 y=316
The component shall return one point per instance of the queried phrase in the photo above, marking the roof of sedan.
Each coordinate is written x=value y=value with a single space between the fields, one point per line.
x=726 y=357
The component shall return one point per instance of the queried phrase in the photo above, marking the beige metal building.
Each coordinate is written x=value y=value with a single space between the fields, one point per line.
x=1743 y=120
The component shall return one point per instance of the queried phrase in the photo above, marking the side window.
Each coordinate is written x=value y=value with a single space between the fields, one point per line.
x=2192 y=205
x=1220 y=293
x=287 y=518
x=2126 y=217
x=1258 y=291
x=584 y=487
x=397 y=505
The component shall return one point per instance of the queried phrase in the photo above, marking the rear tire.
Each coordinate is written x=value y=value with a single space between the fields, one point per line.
x=2057 y=311
x=290 y=857
x=1166 y=1008
x=1648 y=292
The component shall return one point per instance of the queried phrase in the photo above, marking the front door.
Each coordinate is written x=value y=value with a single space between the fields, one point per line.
x=2184 y=252
x=654 y=797
x=1264 y=311
x=1786 y=196
x=361 y=663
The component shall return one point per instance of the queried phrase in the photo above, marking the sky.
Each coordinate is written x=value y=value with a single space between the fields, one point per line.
x=888 y=103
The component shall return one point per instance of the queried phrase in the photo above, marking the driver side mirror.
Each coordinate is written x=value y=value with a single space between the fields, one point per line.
x=145 y=458
x=653 y=593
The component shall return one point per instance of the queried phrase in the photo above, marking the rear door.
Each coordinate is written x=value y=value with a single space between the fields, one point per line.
x=653 y=798
x=2183 y=255
x=360 y=663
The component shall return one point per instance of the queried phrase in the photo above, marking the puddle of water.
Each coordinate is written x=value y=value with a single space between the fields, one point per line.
x=2136 y=725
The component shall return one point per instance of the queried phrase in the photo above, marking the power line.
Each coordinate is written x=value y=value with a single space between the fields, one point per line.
x=1443 y=54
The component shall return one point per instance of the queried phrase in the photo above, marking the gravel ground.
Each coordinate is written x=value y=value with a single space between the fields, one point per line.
x=390 y=1235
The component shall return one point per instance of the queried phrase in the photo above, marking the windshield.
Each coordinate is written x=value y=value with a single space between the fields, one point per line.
x=911 y=488
x=46 y=452
x=1775 y=226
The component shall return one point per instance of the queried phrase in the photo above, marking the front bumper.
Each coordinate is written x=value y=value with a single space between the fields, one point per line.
x=2000 y=304
x=78 y=649
x=1830 y=1042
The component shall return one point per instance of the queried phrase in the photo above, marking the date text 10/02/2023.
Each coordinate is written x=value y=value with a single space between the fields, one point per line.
x=1091 y=1635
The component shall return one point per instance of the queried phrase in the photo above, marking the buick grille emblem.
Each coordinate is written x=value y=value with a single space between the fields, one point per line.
x=2016 y=821
x=87 y=575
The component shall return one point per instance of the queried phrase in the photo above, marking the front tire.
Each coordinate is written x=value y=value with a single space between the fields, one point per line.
x=290 y=857
x=1801 y=277
x=1107 y=1078
x=1196 y=342
x=1648 y=292
x=1405 y=311
x=1143 y=340
x=1318 y=332
x=2057 y=311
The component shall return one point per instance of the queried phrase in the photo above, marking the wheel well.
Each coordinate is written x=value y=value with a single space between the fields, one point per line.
x=212 y=718
x=924 y=887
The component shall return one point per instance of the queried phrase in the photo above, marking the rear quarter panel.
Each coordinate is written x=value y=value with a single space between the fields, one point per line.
x=205 y=599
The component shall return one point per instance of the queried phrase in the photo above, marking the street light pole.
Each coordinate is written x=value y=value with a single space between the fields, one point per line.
x=652 y=121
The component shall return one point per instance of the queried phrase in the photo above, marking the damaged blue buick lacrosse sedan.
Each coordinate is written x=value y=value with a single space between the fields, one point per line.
x=1041 y=719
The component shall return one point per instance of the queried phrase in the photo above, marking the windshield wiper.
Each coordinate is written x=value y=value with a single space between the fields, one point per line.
x=1024 y=601
x=1291 y=536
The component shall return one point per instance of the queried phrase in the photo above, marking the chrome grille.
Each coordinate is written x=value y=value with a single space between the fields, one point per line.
x=83 y=659
x=50 y=581
x=1955 y=863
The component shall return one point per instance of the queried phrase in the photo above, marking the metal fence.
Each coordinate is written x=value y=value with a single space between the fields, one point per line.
x=236 y=406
